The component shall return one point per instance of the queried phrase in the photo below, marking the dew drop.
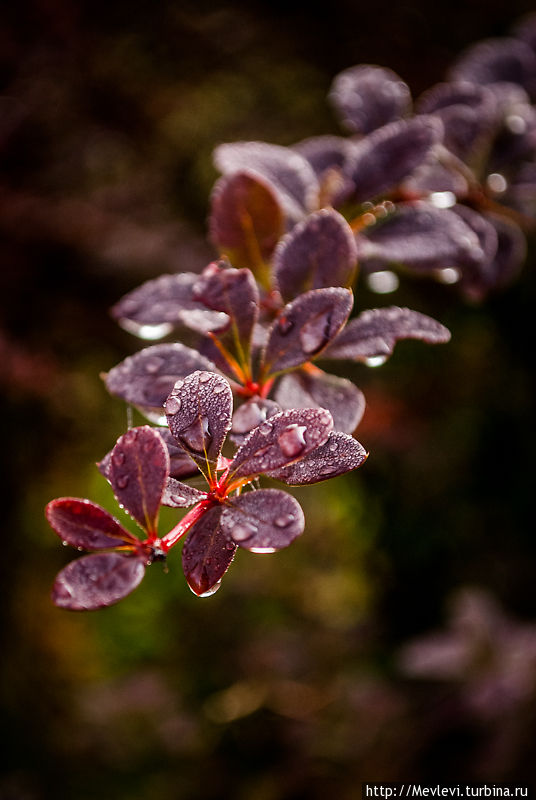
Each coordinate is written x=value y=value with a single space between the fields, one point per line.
x=315 y=333
x=118 y=458
x=211 y=591
x=262 y=451
x=148 y=332
x=122 y=481
x=496 y=182
x=219 y=388
x=173 y=404
x=375 y=361
x=292 y=440
x=152 y=365
x=333 y=447
x=265 y=428
x=283 y=521
x=197 y=436
x=230 y=545
x=383 y=282
x=205 y=377
x=243 y=531
x=262 y=549
x=284 y=325
x=65 y=543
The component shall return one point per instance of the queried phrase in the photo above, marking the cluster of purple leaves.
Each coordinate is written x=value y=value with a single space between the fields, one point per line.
x=443 y=186
x=297 y=447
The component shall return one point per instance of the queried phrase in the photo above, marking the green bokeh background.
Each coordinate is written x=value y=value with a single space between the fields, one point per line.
x=286 y=684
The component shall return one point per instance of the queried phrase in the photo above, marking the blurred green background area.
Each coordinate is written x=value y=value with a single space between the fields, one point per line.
x=396 y=639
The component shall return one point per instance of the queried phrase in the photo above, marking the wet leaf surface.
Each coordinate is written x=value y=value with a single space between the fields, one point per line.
x=251 y=414
x=84 y=524
x=263 y=521
x=207 y=553
x=181 y=495
x=318 y=389
x=368 y=97
x=305 y=327
x=97 y=580
x=340 y=454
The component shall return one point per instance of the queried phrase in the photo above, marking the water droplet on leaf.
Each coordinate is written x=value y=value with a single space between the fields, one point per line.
x=315 y=333
x=285 y=325
x=212 y=590
x=243 y=531
x=173 y=404
x=122 y=481
x=292 y=440
x=284 y=520
x=375 y=361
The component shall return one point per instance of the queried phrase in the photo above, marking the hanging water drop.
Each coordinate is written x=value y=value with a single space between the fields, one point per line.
x=375 y=361
x=211 y=591
x=292 y=440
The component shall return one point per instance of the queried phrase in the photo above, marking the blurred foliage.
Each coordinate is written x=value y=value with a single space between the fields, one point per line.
x=285 y=684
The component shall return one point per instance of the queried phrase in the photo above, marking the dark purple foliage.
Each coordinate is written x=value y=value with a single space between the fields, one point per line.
x=207 y=553
x=338 y=455
x=263 y=521
x=367 y=97
x=98 y=580
x=85 y=525
x=250 y=415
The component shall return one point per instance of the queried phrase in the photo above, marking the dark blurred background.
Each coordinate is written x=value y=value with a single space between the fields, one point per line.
x=397 y=639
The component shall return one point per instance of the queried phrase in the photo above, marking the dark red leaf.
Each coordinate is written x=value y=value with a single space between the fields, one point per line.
x=251 y=414
x=340 y=454
x=199 y=411
x=207 y=553
x=318 y=389
x=156 y=307
x=305 y=327
x=181 y=495
x=281 y=440
x=96 y=581
x=246 y=220
x=86 y=525
x=180 y=463
x=263 y=521
x=317 y=253
x=288 y=174
x=139 y=469
x=367 y=97
x=371 y=337
x=146 y=378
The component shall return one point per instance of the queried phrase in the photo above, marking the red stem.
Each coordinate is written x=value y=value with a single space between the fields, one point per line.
x=182 y=527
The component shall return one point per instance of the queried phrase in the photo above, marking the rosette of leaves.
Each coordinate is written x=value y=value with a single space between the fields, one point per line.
x=266 y=350
x=297 y=447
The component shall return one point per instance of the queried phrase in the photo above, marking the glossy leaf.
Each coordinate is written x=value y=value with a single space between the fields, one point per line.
x=180 y=463
x=199 y=411
x=235 y=292
x=420 y=237
x=97 y=580
x=340 y=454
x=317 y=253
x=252 y=413
x=497 y=61
x=289 y=174
x=367 y=97
x=382 y=159
x=374 y=333
x=207 y=553
x=146 y=378
x=181 y=495
x=158 y=306
x=86 y=525
x=263 y=521
x=318 y=389
x=246 y=220
x=281 y=440
x=305 y=327
x=139 y=469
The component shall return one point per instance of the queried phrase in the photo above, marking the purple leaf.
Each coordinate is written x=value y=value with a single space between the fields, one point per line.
x=388 y=155
x=181 y=495
x=497 y=61
x=207 y=553
x=367 y=97
x=199 y=411
x=340 y=454
x=511 y=250
x=281 y=440
x=246 y=220
x=435 y=176
x=317 y=253
x=422 y=238
x=373 y=334
x=96 y=581
x=251 y=414
x=525 y=30
x=263 y=521
x=476 y=281
x=180 y=463
x=305 y=389
x=235 y=292
x=289 y=174
x=84 y=524
x=146 y=378
x=139 y=469
x=158 y=306
x=324 y=152
x=305 y=327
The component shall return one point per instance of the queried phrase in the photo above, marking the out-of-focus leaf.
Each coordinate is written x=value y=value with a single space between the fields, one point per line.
x=181 y=495
x=317 y=253
x=340 y=454
x=263 y=521
x=305 y=327
x=180 y=463
x=246 y=220
x=318 y=389
x=158 y=306
x=235 y=292
x=324 y=152
x=251 y=414
x=511 y=250
x=207 y=553
x=382 y=159
x=496 y=61
x=515 y=141
x=374 y=333
x=525 y=29
x=281 y=440
x=289 y=174
x=84 y=524
x=139 y=469
x=476 y=281
x=438 y=178
x=420 y=237
x=98 y=580
x=367 y=97
x=146 y=378
x=199 y=411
